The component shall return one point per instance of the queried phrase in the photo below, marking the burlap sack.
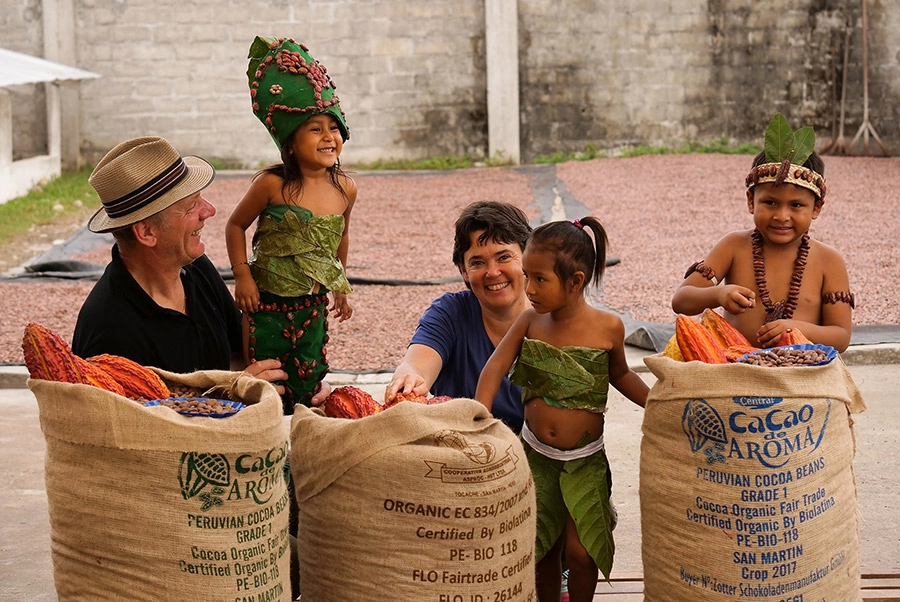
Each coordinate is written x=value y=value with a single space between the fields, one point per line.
x=419 y=502
x=746 y=483
x=146 y=504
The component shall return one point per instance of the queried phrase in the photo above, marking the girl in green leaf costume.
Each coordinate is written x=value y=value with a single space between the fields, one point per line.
x=566 y=354
x=303 y=207
x=775 y=277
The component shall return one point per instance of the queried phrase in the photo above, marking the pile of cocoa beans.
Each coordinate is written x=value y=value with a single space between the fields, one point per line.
x=198 y=405
x=782 y=357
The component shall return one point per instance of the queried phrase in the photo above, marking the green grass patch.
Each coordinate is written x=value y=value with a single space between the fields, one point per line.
x=589 y=152
x=434 y=163
x=721 y=146
x=446 y=163
x=68 y=195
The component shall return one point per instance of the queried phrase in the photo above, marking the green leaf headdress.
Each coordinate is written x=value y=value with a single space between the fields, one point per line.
x=786 y=151
x=288 y=86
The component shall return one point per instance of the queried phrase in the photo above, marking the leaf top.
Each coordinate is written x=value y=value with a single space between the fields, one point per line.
x=782 y=143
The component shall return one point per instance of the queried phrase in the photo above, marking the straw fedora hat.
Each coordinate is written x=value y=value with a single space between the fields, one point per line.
x=141 y=177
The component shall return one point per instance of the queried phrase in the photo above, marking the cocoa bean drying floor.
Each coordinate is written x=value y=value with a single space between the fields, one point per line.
x=661 y=212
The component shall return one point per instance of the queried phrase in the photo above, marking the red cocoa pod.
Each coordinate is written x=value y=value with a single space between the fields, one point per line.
x=350 y=402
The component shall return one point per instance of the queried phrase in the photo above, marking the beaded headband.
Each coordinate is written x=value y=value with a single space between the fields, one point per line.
x=288 y=86
x=786 y=151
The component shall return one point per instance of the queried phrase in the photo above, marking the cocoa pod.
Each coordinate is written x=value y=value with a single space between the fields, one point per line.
x=696 y=342
x=48 y=356
x=350 y=402
x=672 y=350
x=723 y=330
x=792 y=336
x=136 y=381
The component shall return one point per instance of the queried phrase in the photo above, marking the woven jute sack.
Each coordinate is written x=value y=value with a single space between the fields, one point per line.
x=147 y=504
x=746 y=483
x=418 y=502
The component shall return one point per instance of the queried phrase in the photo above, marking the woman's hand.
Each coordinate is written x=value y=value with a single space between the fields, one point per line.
x=404 y=384
x=417 y=371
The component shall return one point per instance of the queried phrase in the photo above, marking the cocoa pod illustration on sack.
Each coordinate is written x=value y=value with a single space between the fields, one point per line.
x=482 y=453
x=199 y=470
x=702 y=423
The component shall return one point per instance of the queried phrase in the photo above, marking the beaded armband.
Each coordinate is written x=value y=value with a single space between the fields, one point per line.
x=704 y=270
x=840 y=297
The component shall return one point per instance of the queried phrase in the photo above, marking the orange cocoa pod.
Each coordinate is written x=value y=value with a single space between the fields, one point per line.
x=98 y=377
x=736 y=352
x=135 y=380
x=350 y=402
x=672 y=350
x=405 y=396
x=696 y=342
x=48 y=356
x=416 y=398
x=722 y=329
x=792 y=336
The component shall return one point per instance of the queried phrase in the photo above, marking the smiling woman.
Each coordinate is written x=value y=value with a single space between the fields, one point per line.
x=459 y=331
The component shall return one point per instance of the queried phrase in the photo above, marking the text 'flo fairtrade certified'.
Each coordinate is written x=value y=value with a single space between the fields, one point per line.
x=749 y=470
x=417 y=502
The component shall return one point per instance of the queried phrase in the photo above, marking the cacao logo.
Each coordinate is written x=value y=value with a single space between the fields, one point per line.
x=781 y=432
x=480 y=453
x=197 y=471
x=209 y=477
x=702 y=423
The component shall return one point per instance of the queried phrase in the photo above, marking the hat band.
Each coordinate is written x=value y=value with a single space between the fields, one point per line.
x=147 y=193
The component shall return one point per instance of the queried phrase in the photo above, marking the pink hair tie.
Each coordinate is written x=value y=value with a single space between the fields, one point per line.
x=578 y=223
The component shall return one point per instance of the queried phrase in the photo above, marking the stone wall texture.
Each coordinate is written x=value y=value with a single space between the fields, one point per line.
x=412 y=75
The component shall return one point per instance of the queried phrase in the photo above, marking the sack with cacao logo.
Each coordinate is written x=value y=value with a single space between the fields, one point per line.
x=147 y=504
x=417 y=502
x=746 y=483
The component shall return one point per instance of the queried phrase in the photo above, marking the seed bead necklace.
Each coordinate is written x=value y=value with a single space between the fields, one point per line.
x=783 y=310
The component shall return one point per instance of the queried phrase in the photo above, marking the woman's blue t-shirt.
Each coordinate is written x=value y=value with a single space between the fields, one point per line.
x=452 y=325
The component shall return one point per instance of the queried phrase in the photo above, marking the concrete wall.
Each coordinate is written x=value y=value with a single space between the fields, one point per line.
x=21 y=29
x=412 y=75
x=644 y=72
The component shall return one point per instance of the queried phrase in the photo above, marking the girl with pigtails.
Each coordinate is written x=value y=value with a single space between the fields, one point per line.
x=565 y=353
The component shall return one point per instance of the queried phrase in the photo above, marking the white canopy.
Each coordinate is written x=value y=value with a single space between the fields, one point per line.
x=17 y=69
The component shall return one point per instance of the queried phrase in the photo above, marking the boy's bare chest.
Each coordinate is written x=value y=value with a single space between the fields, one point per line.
x=780 y=280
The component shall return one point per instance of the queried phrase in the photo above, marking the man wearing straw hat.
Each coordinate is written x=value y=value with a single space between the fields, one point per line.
x=160 y=301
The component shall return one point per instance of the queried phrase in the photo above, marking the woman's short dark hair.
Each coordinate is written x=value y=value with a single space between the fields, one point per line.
x=499 y=222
